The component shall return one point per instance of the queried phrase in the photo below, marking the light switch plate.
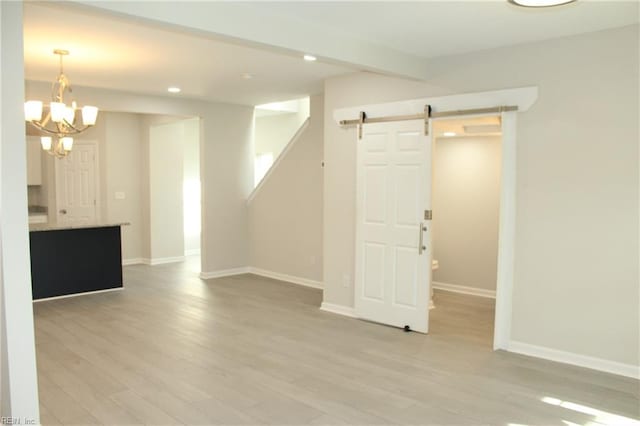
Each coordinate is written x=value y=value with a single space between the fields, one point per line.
x=120 y=196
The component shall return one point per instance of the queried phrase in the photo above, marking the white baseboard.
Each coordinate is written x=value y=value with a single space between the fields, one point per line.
x=627 y=370
x=288 y=278
x=455 y=288
x=192 y=252
x=163 y=260
x=135 y=261
x=152 y=262
x=66 y=296
x=338 y=309
x=224 y=273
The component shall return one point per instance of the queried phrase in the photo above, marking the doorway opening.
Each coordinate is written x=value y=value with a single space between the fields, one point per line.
x=466 y=174
x=175 y=191
x=406 y=128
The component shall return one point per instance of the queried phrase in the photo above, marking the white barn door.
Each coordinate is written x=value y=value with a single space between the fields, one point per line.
x=393 y=270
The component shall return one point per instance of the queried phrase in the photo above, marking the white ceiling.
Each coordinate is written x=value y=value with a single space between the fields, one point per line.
x=205 y=47
x=440 y=28
x=114 y=53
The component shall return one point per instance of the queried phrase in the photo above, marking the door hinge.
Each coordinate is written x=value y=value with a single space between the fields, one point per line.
x=428 y=214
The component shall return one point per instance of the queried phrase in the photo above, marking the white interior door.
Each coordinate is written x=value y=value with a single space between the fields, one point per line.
x=76 y=185
x=393 y=272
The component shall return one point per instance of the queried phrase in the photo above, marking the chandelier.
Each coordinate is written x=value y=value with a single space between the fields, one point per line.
x=58 y=124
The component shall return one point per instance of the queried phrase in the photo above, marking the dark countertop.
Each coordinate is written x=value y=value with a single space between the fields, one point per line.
x=36 y=227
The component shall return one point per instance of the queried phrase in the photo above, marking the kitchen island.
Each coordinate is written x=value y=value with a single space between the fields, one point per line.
x=69 y=260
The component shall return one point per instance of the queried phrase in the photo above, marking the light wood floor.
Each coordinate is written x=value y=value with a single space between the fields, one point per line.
x=173 y=349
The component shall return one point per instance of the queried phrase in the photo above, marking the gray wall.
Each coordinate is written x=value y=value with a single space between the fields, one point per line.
x=466 y=208
x=226 y=164
x=576 y=258
x=166 y=174
x=121 y=150
x=192 y=187
x=285 y=216
x=273 y=132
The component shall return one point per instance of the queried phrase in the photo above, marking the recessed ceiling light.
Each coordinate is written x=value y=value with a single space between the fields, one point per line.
x=173 y=90
x=246 y=76
x=309 y=58
x=448 y=134
x=540 y=3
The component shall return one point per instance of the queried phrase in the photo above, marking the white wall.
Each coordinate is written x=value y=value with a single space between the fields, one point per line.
x=272 y=133
x=147 y=122
x=19 y=386
x=466 y=207
x=285 y=215
x=166 y=179
x=576 y=259
x=192 y=208
x=226 y=163
x=121 y=152
x=226 y=169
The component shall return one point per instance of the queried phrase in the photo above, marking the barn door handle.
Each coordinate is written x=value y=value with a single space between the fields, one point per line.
x=421 y=246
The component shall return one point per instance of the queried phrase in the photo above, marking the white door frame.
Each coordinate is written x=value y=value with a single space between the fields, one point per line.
x=523 y=98
x=97 y=176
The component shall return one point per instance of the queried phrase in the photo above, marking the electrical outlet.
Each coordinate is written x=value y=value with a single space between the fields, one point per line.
x=346 y=280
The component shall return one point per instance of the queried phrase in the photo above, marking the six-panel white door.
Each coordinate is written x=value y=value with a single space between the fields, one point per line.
x=76 y=186
x=393 y=273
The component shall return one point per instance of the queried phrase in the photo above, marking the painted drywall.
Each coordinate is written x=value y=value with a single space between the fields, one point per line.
x=18 y=376
x=273 y=132
x=226 y=163
x=285 y=215
x=576 y=282
x=272 y=31
x=226 y=169
x=166 y=183
x=192 y=207
x=121 y=152
x=147 y=122
x=466 y=207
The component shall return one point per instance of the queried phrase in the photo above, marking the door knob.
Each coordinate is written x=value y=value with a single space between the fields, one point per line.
x=63 y=211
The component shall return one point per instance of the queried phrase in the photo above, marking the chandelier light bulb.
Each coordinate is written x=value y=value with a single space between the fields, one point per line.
x=58 y=110
x=45 y=141
x=67 y=143
x=33 y=110
x=89 y=115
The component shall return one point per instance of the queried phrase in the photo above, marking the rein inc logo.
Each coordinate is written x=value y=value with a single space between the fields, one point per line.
x=17 y=421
